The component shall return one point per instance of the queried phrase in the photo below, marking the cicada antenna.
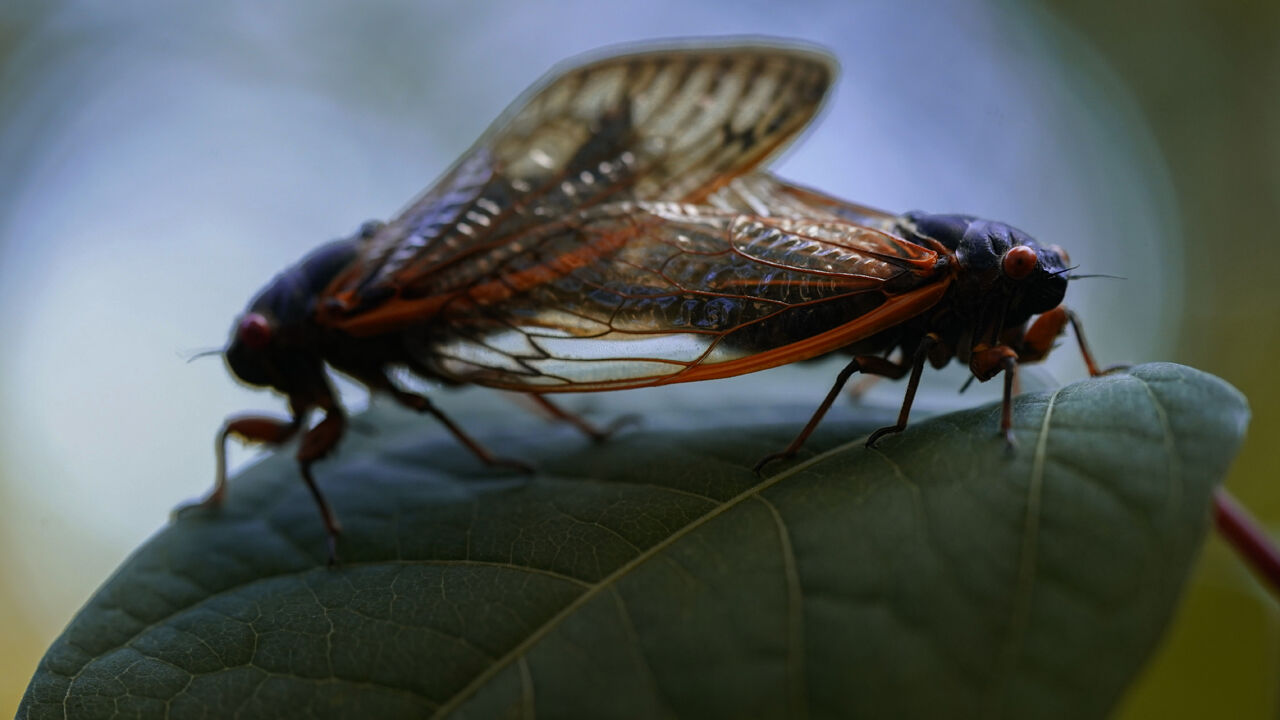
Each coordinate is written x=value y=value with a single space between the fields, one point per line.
x=1089 y=275
x=1096 y=275
x=192 y=355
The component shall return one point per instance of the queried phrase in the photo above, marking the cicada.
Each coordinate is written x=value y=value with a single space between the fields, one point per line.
x=763 y=273
x=457 y=285
x=614 y=230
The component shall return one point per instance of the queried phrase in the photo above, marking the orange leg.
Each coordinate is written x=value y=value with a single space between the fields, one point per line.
x=985 y=364
x=1084 y=349
x=251 y=428
x=316 y=444
x=1040 y=337
x=1010 y=364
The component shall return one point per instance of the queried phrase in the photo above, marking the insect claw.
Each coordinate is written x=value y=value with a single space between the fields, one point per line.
x=1010 y=443
x=212 y=502
x=333 y=561
x=758 y=468
x=877 y=435
x=618 y=424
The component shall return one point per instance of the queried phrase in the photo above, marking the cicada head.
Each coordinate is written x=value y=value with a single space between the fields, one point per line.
x=1030 y=276
x=263 y=353
x=999 y=265
x=275 y=343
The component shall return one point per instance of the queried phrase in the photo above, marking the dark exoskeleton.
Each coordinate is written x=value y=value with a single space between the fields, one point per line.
x=277 y=344
x=1000 y=279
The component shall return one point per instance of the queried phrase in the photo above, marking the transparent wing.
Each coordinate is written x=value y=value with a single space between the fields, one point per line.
x=634 y=294
x=674 y=124
x=762 y=193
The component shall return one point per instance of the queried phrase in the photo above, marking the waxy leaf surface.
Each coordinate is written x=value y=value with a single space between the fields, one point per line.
x=657 y=576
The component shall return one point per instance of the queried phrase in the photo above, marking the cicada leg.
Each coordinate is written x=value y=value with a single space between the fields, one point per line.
x=1033 y=345
x=1084 y=349
x=1039 y=338
x=422 y=404
x=591 y=431
x=251 y=428
x=869 y=364
x=1233 y=522
x=316 y=444
x=917 y=369
x=860 y=387
x=985 y=364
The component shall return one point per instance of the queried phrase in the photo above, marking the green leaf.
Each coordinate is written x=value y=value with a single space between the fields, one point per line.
x=655 y=575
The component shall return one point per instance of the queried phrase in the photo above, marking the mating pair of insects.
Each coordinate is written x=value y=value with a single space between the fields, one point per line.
x=613 y=229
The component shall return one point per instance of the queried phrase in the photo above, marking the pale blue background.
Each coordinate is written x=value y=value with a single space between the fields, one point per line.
x=159 y=162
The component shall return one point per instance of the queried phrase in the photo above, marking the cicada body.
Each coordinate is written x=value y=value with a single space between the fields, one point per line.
x=613 y=230
x=672 y=125
x=763 y=273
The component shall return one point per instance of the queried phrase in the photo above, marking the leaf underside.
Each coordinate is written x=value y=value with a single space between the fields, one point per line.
x=656 y=575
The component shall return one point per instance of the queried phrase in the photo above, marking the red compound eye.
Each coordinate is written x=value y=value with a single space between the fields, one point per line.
x=1018 y=262
x=254 y=331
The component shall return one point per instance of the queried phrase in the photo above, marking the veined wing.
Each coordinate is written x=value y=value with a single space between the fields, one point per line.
x=637 y=294
x=673 y=124
x=763 y=193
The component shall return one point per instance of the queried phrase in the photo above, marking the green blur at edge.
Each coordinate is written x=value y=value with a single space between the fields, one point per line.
x=1199 y=72
x=1205 y=77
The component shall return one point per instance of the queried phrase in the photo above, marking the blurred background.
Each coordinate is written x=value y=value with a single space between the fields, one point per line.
x=160 y=162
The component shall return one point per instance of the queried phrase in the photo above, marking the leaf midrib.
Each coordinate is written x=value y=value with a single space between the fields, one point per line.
x=623 y=570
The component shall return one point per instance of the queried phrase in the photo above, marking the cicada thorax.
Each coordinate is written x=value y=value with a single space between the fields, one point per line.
x=1000 y=279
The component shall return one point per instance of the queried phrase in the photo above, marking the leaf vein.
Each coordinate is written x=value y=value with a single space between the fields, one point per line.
x=634 y=638
x=1025 y=583
x=795 y=617
x=622 y=571
x=526 y=691
x=1175 y=471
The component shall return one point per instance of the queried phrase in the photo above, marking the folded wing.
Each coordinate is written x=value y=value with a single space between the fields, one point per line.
x=635 y=294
